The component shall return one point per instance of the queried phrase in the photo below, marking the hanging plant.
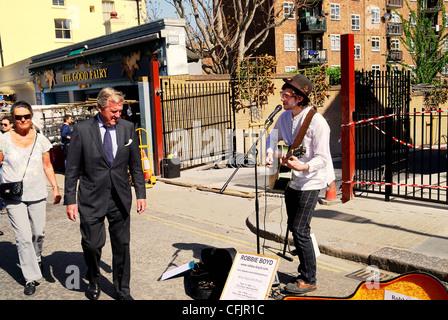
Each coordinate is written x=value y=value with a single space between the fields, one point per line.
x=436 y=96
x=319 y=78
x=253 y=82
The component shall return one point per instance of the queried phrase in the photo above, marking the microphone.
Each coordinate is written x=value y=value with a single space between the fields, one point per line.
x=272 y=115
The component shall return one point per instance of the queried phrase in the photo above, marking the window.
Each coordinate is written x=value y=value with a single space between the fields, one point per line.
x=376 y=68
x=307 y=43
x=288 y=10
x=59 y=3
x=412 y=20
x=62 y=29
x=108 y=7
x=375 y=43
x=357 y=52
x=335 y=11
x=335 y=42
x=394 y=44
x=290 y=42
x=445 y=45
x=356 y=22
x=411 y=46
x=376 y=15
x=444 y=71
x=395 y=18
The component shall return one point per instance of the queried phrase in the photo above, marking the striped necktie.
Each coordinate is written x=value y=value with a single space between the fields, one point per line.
x=107 y=145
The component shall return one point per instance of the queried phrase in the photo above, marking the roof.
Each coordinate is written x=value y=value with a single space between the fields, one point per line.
x=142 y=33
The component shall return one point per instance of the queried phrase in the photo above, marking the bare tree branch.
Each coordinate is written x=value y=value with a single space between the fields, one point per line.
x=218 y=30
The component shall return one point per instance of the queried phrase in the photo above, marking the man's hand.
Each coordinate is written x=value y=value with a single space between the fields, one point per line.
x=294 y=163
x=141 y=205
x=269 y=159
x=72 y=211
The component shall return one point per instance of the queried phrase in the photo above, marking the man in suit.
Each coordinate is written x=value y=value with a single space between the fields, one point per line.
x=102 y=149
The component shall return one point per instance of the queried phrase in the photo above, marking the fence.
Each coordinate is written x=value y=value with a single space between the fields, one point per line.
x=198 y=121
x=398 y=153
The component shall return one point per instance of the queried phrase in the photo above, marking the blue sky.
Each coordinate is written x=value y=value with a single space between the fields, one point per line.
x=167 y=10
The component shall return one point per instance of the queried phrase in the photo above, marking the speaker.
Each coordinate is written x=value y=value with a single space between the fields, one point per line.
x=170 y=168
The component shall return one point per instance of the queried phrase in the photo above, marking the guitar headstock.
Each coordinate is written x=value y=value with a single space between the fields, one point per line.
x=299 y=151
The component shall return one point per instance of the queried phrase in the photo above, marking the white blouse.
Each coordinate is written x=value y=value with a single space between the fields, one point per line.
x=14 y=164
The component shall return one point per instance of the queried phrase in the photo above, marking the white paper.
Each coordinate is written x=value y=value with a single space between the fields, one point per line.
x=390 y=295
x=178 y=270
x=250 y=278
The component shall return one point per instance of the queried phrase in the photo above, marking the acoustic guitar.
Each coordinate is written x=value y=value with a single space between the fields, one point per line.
x=280 y=179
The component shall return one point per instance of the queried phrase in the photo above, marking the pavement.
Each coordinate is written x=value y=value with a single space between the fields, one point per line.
x=399 y=235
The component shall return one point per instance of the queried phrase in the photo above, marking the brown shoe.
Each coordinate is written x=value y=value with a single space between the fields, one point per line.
x=300 y=286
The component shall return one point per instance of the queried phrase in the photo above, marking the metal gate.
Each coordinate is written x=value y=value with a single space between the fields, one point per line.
x=399 y=152
x=198 y=121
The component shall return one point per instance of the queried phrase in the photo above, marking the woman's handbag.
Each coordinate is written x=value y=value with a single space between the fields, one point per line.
x=11 y=190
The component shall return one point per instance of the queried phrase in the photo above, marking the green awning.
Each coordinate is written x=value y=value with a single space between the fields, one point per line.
x=75 y=52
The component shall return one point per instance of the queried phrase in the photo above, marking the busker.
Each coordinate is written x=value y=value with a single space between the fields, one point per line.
x=309 y=172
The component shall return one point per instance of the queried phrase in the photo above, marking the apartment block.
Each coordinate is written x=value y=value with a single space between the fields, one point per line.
x=311 y=35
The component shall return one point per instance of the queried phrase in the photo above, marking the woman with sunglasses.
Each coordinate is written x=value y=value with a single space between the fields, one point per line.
x=28 y=213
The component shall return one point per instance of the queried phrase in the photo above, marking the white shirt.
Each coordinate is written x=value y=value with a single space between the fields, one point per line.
x=14 y=166
x=113 y=135
x=317 y=144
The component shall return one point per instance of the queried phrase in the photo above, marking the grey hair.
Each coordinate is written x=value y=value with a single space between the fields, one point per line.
x=21 y=104
x=107 y=94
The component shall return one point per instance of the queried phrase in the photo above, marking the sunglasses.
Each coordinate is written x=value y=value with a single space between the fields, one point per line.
x=284 y=95
x=5 y=124
x=20 y=117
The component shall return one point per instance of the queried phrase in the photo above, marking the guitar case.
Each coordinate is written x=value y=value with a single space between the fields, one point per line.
x=208 y=277
x=414 y=285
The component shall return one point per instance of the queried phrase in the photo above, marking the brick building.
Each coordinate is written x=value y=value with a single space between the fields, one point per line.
x=311 y=34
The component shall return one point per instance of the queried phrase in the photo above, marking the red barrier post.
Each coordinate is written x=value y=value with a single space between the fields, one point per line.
x=348 y=107
x=156 y=117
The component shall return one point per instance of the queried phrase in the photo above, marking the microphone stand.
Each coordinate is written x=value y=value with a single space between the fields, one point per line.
x=253 y=150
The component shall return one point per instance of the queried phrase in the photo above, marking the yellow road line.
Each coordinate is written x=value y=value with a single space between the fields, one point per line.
x=198 y=231
x=241 y=243
x=330 y=265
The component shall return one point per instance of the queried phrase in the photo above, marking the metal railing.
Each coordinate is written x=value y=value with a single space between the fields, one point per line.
x=394 y=3
x=394 y=28
x=312 y=24
x=394 y=55
x=307 y=56
x=197 y=121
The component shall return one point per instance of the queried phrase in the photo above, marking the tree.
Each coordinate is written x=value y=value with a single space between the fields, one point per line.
x=424 y=42
x=224 y=32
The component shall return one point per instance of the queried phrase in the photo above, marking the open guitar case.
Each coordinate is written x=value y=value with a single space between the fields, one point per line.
x=207 y=278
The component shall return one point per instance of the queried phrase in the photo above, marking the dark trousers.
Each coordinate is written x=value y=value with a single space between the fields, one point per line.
x=300 y=207
x=94 y=237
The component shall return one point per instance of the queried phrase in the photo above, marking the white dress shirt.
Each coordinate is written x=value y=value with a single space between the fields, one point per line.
x=317 y=144
x=113 y=135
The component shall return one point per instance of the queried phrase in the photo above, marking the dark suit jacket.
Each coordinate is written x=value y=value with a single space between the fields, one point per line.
x=86 y=162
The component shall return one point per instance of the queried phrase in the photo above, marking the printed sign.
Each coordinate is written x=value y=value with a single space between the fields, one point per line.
x=250 y=277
